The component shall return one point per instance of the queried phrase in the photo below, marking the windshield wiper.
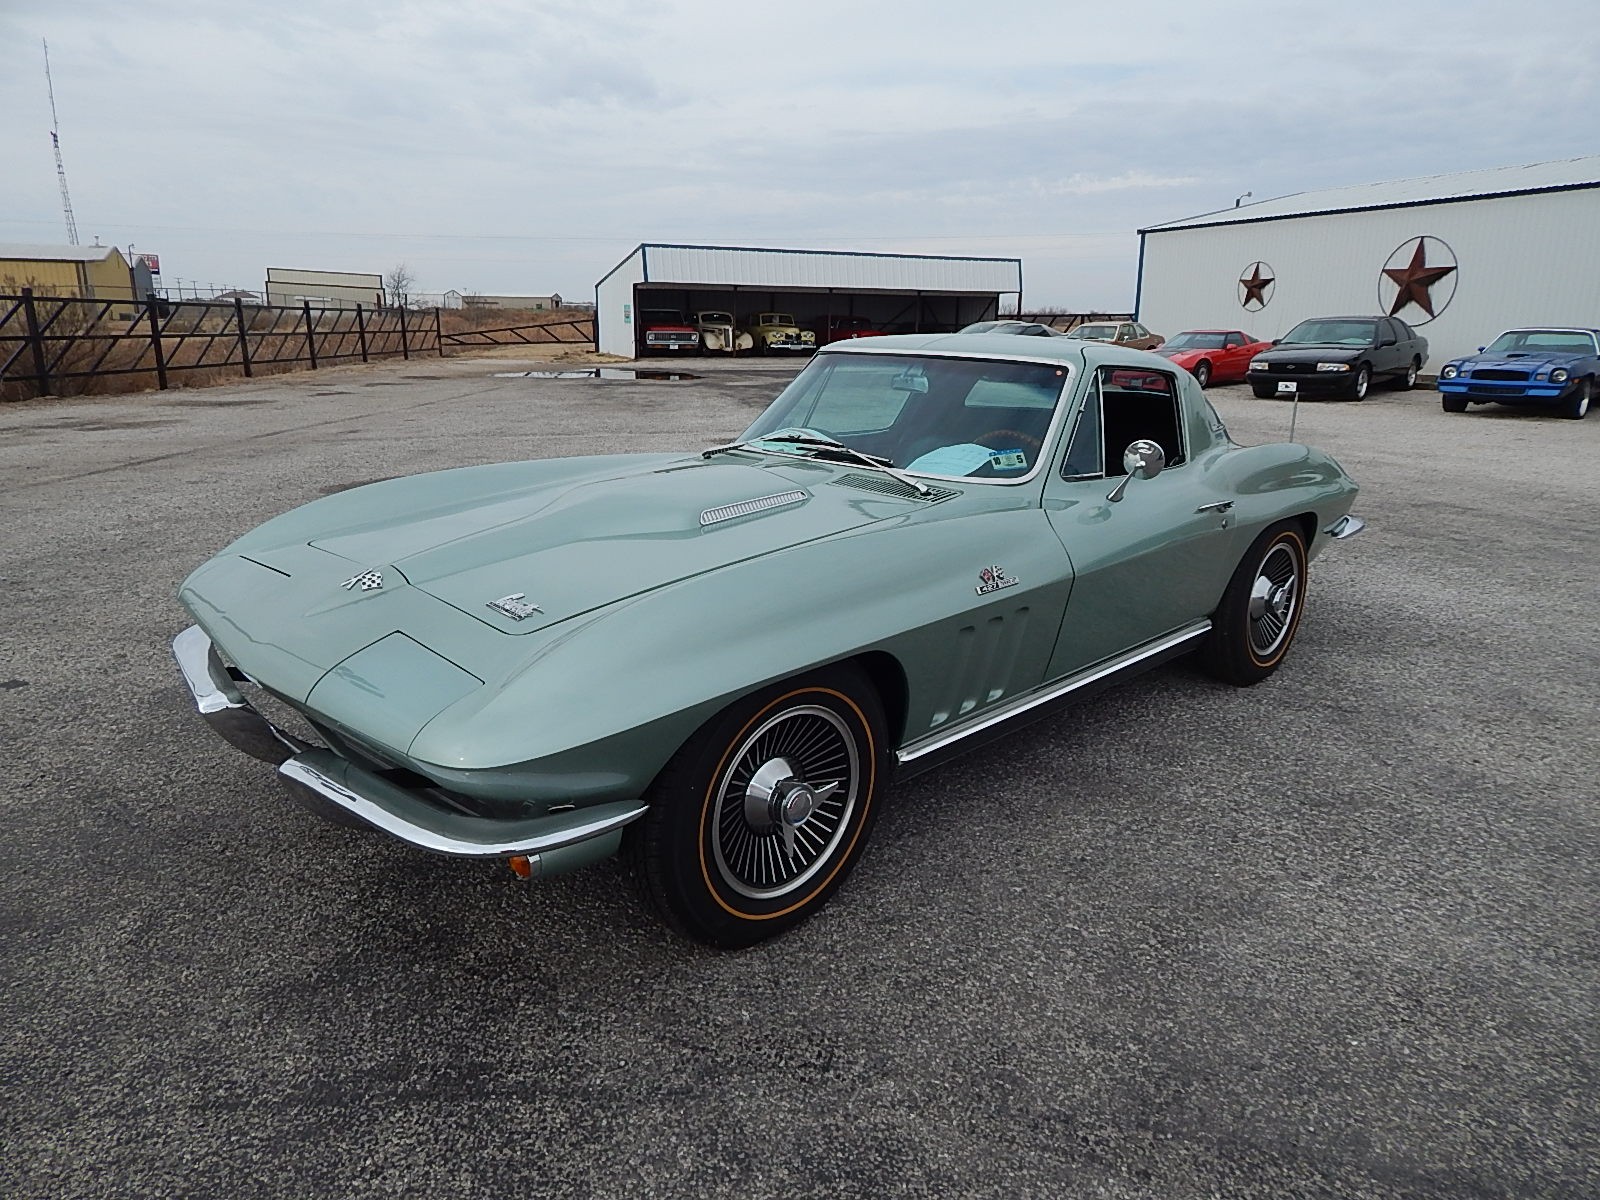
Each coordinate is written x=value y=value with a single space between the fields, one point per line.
x=833 y=447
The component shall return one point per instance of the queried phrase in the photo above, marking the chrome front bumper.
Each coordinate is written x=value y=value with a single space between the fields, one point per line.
x=1346 y=526
x=320 y=778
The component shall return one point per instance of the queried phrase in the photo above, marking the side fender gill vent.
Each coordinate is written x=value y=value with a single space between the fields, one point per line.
x=743 y=508
x=889 y=486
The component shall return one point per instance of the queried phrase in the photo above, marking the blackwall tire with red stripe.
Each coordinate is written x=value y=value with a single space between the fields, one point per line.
x=762 y=814
x=1253 y=627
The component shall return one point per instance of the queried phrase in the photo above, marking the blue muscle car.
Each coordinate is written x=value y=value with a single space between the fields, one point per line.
x=1551 y=366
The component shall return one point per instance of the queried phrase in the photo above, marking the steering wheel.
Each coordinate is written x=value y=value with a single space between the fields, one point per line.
x=1012 y=436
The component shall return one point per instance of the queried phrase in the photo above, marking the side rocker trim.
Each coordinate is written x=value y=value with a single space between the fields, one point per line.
x=1027 y=704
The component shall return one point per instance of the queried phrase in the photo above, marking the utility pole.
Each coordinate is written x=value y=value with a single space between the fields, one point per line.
x=55 y=141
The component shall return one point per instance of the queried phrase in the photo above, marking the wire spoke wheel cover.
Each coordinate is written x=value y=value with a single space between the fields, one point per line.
x=1274 y=599
x=762 y=813
x=785 y=802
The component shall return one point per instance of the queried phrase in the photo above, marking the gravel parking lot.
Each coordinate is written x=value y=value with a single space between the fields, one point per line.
x=1332 y=936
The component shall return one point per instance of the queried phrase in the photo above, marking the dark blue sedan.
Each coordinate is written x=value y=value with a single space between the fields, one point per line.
x=1552 y=366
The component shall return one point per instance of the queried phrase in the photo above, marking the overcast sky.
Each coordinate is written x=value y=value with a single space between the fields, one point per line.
x=526 y=147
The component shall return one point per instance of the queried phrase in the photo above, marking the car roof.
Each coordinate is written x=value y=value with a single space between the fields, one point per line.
x=1550 y=329
x=1072 y=351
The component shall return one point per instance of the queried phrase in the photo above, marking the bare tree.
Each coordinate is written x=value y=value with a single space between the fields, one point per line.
x=401 y=281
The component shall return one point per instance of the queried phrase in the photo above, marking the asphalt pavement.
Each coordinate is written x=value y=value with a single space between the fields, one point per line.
x=1332 y=936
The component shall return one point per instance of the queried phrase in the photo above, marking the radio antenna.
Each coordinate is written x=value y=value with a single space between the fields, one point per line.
x=55 y=142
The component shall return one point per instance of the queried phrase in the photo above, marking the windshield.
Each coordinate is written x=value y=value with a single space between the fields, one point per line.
x=1324 y=332
x=775 y=319
x=1195 y=341
x=1542 y=341
x=661 y=316
x=714 y=318
x=1095 y=333
x=953 y=417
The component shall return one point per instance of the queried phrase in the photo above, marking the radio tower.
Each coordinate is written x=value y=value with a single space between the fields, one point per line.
x=55 y=141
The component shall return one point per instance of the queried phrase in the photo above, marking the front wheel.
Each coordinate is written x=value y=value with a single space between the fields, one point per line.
x=1263 y=391
x=757 y=820
x=1362 y=384
x=1260 y=610
x=1453 y=403
x=1202 y=373
x=1577 y=404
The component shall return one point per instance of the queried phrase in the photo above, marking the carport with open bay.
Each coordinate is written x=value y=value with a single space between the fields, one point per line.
x=649 y=302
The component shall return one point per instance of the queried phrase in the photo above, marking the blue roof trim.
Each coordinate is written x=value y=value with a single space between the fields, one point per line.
x=1195 y=223
x=838 y=253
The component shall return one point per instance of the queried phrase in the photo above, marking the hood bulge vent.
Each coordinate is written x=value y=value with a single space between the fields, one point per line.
x=743 y=508
x=889 y=486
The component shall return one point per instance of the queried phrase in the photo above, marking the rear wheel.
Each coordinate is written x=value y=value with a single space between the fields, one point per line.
x=1202 y=373
x=1576 y=406
x=1260 y=611
x=1362 y=384
x=757 y=820
x=1409 y=380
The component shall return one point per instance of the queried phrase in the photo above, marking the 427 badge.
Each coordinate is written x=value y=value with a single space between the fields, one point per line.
x=992 y=579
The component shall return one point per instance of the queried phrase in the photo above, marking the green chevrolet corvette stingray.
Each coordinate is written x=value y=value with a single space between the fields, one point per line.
x=716 y=663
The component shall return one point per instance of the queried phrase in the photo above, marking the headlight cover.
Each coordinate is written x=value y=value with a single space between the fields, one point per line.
x=1257 y=365
x=1450 y=371
x=1333 y=366
x=1559 y=375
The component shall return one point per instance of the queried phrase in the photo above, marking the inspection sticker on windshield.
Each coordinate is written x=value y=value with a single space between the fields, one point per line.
x=1008 y=460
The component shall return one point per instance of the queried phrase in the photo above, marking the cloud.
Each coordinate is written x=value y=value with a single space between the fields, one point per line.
x=507 y=147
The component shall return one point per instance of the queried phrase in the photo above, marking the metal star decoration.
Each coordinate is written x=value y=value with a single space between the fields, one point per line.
x=1414 y=280
x=1255 y=285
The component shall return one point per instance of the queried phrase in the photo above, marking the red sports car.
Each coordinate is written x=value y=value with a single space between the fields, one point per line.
x=844 y=329
x=1213 y=355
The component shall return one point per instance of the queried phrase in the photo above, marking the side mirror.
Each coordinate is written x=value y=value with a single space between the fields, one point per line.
x=1388 y=341
x=1158 y=345
x=1273 y=342
x=1143 y=458
x=1481 y=349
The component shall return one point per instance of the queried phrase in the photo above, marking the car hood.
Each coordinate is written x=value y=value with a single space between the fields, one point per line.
x=1311 y=354
x=569 y=543
x=1189 y=353
x=1541 y=361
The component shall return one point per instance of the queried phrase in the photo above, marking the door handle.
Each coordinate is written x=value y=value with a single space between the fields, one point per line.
x=1220 y=506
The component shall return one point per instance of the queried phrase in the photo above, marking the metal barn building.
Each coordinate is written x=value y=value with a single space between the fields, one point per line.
x=899 y=293
x=95 y=272
x=1460 y=257
x=327 y=289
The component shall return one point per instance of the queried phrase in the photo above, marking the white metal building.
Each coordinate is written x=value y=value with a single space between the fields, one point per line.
x=899 y=293
x=1459 y=257
x=325 y=289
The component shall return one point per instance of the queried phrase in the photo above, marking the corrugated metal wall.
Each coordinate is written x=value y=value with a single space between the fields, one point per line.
x=780 y=269
x=1521 y=260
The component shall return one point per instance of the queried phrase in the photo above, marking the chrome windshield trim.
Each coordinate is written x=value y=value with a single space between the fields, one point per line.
x=569 y=828
x=1031 y=700
x=1064 y=402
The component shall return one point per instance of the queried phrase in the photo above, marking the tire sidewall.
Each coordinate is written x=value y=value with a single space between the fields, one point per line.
x=1202 y=373
x=683 y=806
x=1229 y=653
x=1362 y=384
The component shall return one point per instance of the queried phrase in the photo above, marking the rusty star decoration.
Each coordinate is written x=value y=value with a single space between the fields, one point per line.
x=1414 y=280
x=1255 y=286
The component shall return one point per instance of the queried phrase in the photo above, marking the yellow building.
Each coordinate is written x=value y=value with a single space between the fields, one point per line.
x=92 y=272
